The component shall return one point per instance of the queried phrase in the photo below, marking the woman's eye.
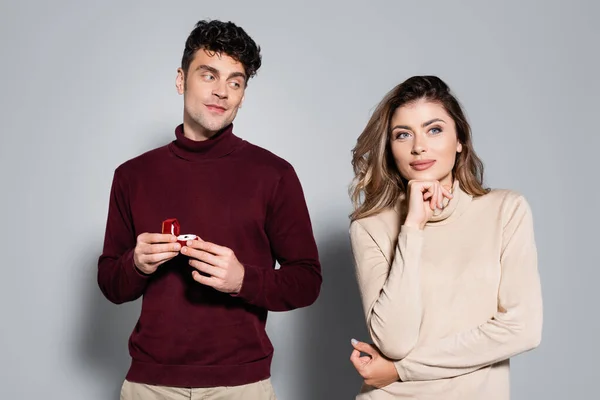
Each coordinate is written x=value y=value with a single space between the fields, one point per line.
x=402 y=135
x=435 y=131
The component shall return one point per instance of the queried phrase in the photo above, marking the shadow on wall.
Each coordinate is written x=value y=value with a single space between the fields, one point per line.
x=106 y=329
x=334 y=319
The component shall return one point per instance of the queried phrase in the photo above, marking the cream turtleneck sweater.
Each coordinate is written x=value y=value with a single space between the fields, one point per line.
x=451 y=303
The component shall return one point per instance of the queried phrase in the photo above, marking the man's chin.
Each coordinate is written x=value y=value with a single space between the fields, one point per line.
x=212 y=125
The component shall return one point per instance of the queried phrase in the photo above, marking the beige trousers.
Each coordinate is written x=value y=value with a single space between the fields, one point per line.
x=262 y=390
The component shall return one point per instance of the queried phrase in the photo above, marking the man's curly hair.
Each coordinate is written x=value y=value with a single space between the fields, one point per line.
x=223 y=38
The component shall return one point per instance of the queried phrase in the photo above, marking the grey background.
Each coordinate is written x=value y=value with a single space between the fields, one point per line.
x=85 y=86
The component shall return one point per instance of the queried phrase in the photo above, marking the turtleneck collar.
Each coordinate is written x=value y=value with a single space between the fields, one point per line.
x=221 y=144
x=454 y=208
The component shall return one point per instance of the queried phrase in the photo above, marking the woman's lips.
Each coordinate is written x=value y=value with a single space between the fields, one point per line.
x=422 y=165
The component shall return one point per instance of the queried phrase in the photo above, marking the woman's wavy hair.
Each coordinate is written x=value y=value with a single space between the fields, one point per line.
x=377 y=182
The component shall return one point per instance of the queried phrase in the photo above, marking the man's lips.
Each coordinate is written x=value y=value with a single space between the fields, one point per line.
x=215 y=108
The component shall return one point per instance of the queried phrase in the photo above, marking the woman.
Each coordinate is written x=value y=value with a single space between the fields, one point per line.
x=447 y=270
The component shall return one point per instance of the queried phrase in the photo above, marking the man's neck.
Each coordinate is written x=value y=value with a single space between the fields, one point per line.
x=196 y=132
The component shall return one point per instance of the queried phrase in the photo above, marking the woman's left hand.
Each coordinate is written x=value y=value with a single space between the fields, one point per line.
x=376 y=370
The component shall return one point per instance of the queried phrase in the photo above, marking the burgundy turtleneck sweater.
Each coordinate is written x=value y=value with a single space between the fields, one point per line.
x=229 y=192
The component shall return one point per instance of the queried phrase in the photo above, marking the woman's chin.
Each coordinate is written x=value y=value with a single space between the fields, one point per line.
x=427 y=176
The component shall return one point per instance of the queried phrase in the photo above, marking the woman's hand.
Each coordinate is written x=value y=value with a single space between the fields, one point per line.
x=376 y=370
x=423 y=198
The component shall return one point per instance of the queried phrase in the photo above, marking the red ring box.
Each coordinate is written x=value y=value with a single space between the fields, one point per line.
x=171 y=226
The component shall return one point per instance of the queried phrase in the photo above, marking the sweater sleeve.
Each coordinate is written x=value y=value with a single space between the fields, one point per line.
x=390 y=291
x=515 y=328
x=297 y=282
x=118 y=278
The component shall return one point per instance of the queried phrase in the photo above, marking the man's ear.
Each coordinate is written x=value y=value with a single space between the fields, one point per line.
x=180 y=81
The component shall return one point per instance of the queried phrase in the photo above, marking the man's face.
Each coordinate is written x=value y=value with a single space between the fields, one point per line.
x=213 y=90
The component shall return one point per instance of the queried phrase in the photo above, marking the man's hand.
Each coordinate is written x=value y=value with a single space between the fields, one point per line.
x=226 y=273
x=154 y=249
x=376 y=370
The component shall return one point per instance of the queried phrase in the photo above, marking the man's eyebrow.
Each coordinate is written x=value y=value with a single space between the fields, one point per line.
x=208 y=68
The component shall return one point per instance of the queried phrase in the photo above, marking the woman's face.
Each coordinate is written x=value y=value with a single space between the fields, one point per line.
x=424 y=142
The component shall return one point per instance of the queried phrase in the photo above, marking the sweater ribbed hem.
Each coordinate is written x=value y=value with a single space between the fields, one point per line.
x=199 y=376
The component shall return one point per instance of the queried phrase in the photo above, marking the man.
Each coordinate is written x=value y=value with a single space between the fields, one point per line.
x=201 y=332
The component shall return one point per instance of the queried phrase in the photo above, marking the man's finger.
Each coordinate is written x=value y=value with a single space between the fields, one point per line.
x=207 y=268
x=202 y=256
x=152 y=238
x=211 y=248
x=156 y=258
x=162 y=248
x=205 y=280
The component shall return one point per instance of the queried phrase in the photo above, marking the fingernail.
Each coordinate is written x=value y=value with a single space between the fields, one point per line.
x=354 y=341
x=189 y=242
x=184 y=250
